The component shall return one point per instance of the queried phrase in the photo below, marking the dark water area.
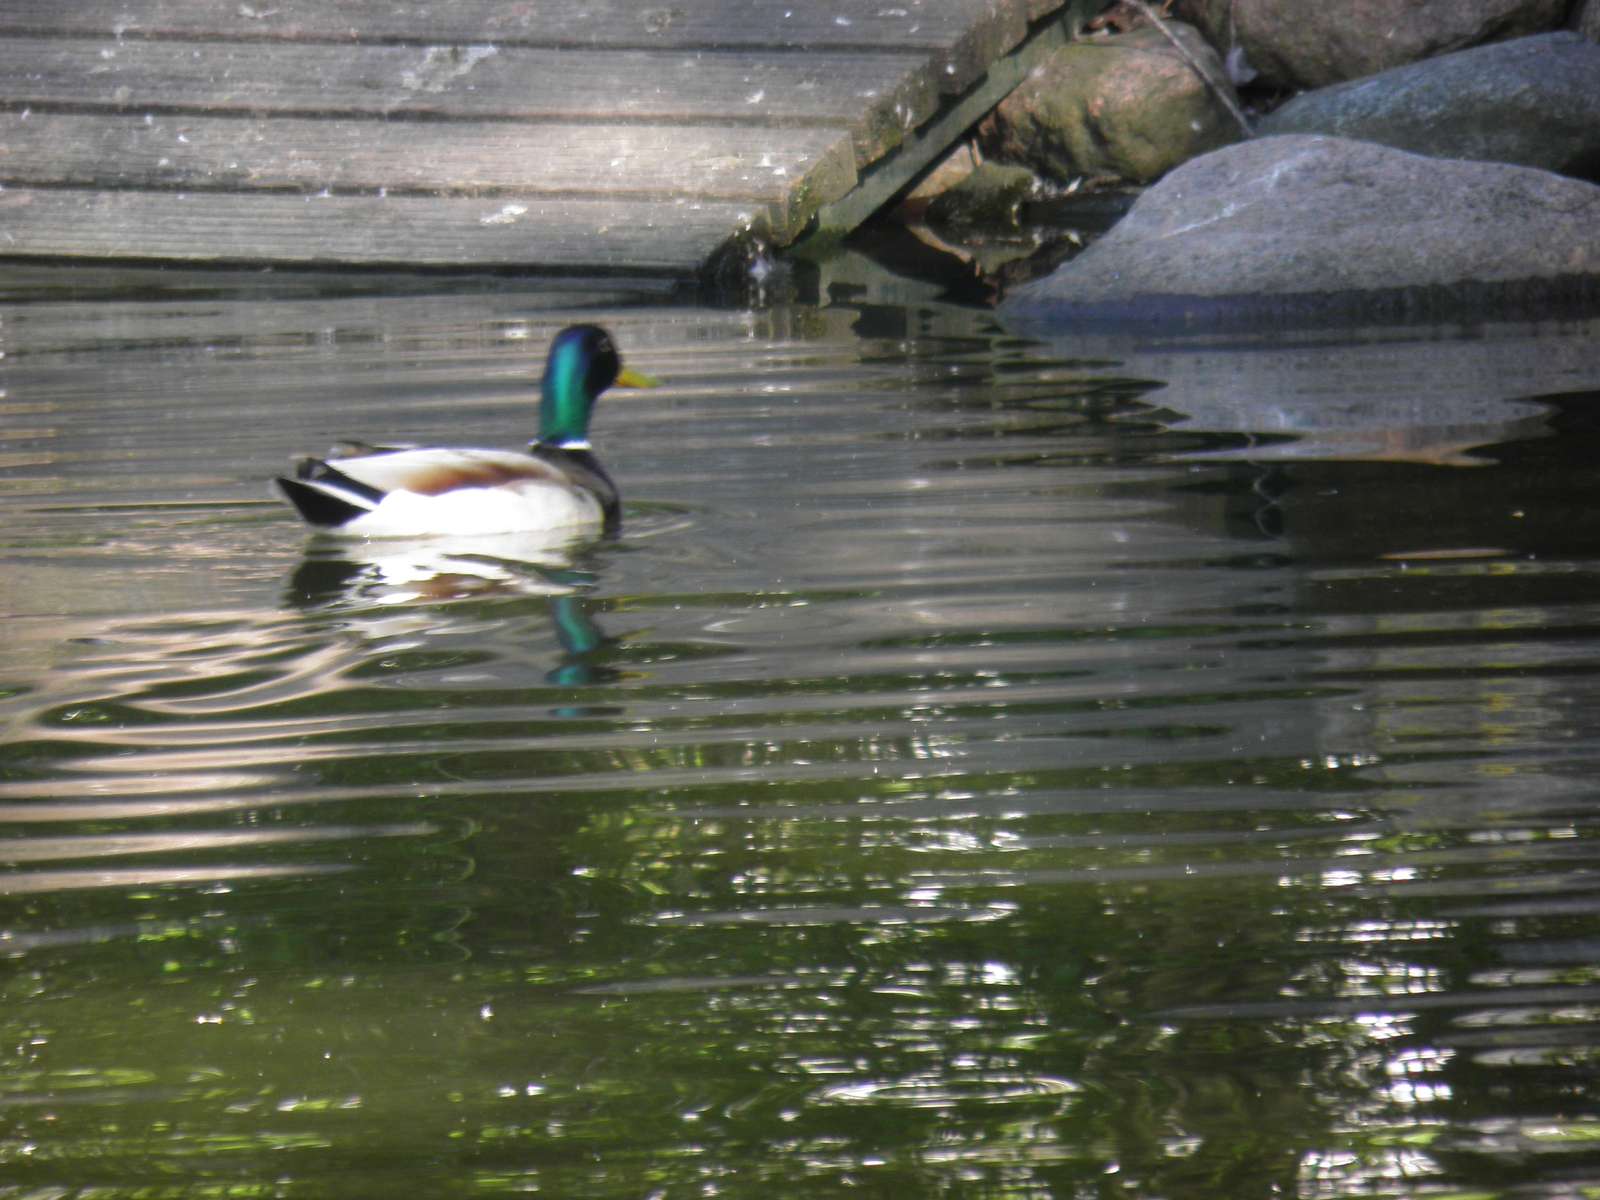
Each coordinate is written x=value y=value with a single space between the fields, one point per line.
x=981 y=767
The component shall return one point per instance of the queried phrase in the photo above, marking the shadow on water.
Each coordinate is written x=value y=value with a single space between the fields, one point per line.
x=979 y=767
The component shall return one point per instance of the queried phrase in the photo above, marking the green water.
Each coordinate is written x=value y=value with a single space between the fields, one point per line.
x=979 y=769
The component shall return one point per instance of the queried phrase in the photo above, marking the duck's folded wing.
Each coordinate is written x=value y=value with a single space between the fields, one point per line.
x=350 y=448
x=333 y=492
x=432 y=472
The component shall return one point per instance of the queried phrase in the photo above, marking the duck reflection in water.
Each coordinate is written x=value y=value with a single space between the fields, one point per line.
x=380 y=581
x=398 y=571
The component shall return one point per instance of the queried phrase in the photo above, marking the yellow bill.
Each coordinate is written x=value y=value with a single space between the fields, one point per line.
x=628 y=377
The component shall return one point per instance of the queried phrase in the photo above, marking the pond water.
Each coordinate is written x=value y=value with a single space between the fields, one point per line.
x=979 y=768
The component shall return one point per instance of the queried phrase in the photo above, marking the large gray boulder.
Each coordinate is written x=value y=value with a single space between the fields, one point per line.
x=1588 y=20
x=1312 y=43
x=1130 y=106
x=1311 y=230
x=1534 y=101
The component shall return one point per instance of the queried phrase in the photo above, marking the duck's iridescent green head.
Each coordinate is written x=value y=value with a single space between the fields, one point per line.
x=583 y=363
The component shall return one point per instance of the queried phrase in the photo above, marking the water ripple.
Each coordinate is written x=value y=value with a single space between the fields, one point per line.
x=960 y=775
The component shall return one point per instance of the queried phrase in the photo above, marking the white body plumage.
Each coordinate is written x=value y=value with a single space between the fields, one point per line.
x=435 y=492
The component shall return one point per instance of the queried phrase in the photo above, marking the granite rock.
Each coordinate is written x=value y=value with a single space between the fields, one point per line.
x=1533 y=101
x=1312 y=43
x=1306 y=229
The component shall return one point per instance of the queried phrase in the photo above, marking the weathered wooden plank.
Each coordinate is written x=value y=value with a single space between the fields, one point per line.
x=874 y=95
x=960 y=37
x=674 y=237
x=786 y=173
x=614 y=135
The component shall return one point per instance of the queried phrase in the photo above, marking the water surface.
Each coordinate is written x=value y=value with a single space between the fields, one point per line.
x=979 y=768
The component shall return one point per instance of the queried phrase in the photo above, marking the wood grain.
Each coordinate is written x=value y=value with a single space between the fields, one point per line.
x=876 y=96
x=959 y=37
x=625 y=236
x=784 y=175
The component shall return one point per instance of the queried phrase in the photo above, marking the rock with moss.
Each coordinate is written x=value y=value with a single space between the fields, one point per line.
x=1130 y=107
x=990 y=198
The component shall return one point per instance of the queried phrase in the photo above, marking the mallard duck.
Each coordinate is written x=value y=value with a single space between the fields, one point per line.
x=363 y=490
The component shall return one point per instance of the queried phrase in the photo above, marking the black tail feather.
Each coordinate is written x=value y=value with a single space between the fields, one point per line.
x=320 y=470
x=317 y=506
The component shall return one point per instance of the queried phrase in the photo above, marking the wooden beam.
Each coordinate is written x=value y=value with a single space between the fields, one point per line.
x=921 y=149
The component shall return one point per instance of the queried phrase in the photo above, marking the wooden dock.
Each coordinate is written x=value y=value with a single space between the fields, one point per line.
x=613 y=135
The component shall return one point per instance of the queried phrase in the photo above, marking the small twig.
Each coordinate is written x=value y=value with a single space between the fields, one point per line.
x=1216 y=89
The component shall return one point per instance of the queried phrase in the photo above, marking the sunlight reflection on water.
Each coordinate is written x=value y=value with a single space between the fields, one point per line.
x=977 y=764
